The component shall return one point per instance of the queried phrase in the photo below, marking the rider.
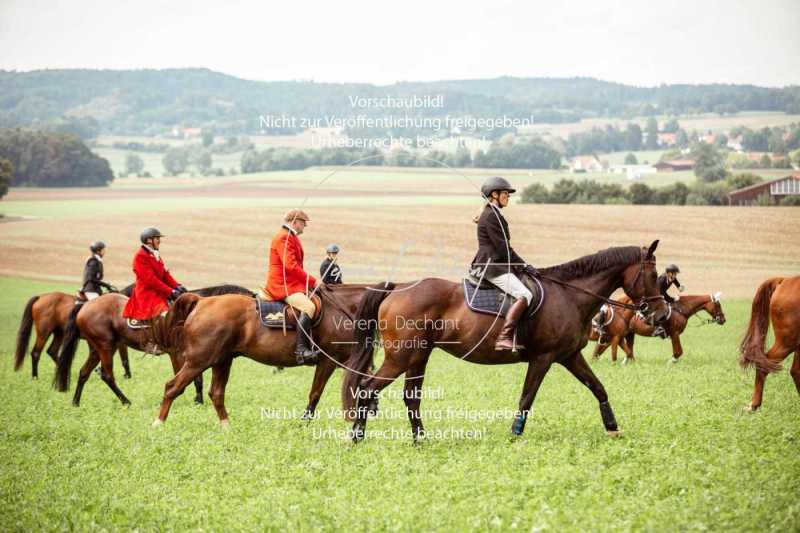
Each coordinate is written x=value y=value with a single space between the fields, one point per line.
x=155 y=286
x=93 y=283
x=668 y=279
x=329 y=270
x=497 y=262
x=287 y=281
x=665 y=281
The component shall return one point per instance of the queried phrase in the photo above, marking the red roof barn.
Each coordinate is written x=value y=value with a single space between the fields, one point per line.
x=777 y=189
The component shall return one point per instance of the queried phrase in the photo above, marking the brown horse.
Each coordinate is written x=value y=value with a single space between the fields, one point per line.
x=211 y=332
x=100 y=322
x=412 y=320
x=615 y=326
x=49 y=313
x=627 y=324
x=778 y=299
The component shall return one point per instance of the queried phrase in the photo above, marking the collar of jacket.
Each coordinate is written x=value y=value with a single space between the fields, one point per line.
x=152 y=251
x=98 y=257
x=291 y=229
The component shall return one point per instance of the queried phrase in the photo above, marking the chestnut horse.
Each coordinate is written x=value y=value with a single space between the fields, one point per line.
x=211 y=332
x=100 y=322
x=439 y=317
x=777 y=299
x=627 y=324
x=48 y=313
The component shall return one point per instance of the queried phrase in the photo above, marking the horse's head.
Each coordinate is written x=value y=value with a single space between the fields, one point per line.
x=714 y=308
x=640 y=284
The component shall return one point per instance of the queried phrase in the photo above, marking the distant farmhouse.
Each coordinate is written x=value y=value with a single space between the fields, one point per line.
x=587 y=163
x=777 y=189
x=674 y=165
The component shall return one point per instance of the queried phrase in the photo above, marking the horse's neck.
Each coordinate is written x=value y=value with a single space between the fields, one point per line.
x=603 y=284
x=692 y=304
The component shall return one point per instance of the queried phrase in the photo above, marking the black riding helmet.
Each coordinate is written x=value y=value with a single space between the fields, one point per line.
x=96 y=246
x=673 y=268
x=149 y=233
x=495 y=183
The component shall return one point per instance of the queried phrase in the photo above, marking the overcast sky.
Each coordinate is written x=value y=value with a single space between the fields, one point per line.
x=634 y=42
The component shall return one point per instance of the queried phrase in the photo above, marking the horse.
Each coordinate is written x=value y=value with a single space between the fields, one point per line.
x=439 y=317
x=614 y=326
x=675 y=324
x=211 y=332
x=777 y=299
x=49 y=313
x=101 y=323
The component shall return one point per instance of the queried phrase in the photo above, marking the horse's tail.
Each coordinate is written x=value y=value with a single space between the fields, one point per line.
x=72 y=336
x=24 y=333
x=753 y=343
x=167 y=331
x=363 y=349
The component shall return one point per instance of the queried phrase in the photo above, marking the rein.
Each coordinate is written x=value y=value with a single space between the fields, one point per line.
x=609 y=301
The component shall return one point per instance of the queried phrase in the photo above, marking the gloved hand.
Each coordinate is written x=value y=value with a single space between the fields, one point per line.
x=174 y=294
x=112 y=288
x=682 y=288
x=531 y=271
x=181 y=289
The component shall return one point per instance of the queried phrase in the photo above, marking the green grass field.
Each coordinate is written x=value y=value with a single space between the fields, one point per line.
x=689 y=458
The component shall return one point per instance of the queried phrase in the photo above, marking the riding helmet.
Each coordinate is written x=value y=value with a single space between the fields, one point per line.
x=495 y=183
x=673 y=268
x=96 y=246
x=149 y=233
x=332 y=249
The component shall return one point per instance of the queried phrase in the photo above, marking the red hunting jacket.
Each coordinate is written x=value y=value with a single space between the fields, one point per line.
x=286 y=275
x=153 y=286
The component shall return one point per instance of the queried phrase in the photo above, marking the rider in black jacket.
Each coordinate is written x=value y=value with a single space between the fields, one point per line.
x=93 y=283
x=497 y=262
x=329 y=270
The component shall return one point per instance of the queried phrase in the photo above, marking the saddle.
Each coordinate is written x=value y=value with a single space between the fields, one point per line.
x=274 y=313
x=488 y=299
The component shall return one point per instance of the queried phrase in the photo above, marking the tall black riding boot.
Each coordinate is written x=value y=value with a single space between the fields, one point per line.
x=505 y=341
x=304 y=351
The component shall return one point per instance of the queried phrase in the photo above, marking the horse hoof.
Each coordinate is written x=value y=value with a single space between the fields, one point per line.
x=673 y=360
x=614 y=433
x=749 y=408
x=157 y=423
x=225 y=425
x=126 y=403
x=126 y=376
x=198 y=401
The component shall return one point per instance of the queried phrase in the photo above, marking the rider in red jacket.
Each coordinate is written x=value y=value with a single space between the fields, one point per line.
x=155 y=286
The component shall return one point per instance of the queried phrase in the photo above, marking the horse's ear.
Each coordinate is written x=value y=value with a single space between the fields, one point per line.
x=717 y=296
x=652 y=249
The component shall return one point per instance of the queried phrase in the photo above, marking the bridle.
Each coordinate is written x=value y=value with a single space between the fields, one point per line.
x=642 y=305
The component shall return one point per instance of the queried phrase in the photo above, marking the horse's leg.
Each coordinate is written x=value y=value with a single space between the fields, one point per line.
x=175 y=387
x=393 y=365
x=219 y=379
x=614 y=344
x=629 y=339
x=322 y=374
x=86 y=370
x=579 y=368
x=795 y=371
x=537 y=368
x=36 y=353
x=412 y=395
x=677 y=349
x=106 y=354
x=123 y=355
x=778 y=353
x=55 y=346
x=599 y=349
x=628 y=352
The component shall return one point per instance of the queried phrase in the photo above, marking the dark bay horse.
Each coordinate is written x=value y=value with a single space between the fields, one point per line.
x=211 y=332
x=439 y=317
x=777 y=299
x=48 y=314
x=627 y=324
x=100 y=322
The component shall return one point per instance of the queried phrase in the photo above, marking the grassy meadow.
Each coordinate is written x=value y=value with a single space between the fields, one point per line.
x=689 y=458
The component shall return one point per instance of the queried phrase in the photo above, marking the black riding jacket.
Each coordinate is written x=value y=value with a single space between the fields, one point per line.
x=495 y=255
x=93 y=276
x=332 y=276
x=663 y=285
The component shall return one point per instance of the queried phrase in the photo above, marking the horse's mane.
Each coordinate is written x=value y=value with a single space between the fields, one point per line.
x=227 y=288
x=589 y=265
